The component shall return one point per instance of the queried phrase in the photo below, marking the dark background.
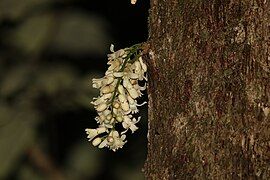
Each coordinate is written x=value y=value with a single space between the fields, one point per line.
x=49 y=52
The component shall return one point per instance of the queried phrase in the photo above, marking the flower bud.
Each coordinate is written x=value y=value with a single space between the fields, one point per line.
x=103 y=144
x=144 y=67
x=126 y=83
x=96 y=141
x=125 y=106
x=138 y=67
x=109 y=117
x=92 y=133
x=112 y=120
x=130 y=100
x=133 y=76
x=118 y=74
x=101 y=130
x=101 y=107
x=116 y=105
x=119 y=118
x=120 y=53
x=106 y=96
x=106 y=112
x=133 y=93
x=112 y=87
x=122 y=98
x=115 y=111
x=121 y=89
x=109 y=80
x=102 y=117
x=106 y=90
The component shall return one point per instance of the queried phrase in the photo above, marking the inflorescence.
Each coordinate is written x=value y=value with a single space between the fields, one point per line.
x=116 y=103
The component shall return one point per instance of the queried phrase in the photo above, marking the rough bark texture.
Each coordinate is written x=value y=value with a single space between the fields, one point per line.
x=209 y=89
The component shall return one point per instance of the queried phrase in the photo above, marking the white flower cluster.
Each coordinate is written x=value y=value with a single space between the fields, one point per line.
x=117 y=103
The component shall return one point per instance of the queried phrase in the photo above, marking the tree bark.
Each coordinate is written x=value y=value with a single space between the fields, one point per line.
x=209 y=89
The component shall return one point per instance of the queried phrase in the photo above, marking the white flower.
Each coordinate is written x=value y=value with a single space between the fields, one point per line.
x=101 y=107
x=100 y=82
x=130 y=124
x=140 y=68
x=92 y=133
x=114 y=66
x=114 y=141
x=125 y=106
x=97 y=83
x=101 y=118
x=101 y=99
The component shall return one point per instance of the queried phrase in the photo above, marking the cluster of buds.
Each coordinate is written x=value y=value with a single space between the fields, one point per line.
x=117 y=103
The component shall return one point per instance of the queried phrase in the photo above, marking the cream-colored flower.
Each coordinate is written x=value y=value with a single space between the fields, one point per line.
x=97 y=83
x=92 y=133
x=102 y=99
x=130 y=124
x=114 y=141
x=115 y=65
x=125 y=106
x=117 y=103
x=101 y=82
x=101 y=107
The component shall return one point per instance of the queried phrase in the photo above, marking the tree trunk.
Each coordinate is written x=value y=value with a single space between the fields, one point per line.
x=209 y=89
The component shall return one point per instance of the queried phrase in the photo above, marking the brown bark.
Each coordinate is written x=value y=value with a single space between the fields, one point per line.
x=209 y=89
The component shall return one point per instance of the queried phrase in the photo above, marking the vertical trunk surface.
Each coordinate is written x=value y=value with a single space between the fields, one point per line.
x=209 y=89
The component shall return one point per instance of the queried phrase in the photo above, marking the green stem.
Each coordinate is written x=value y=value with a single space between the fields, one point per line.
x=133 y=51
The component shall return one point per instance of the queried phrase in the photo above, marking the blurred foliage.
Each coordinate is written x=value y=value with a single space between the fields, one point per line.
x=78 y=163
x=80 y=34
x=15 y=9
x=15 y=135
x=45 y=92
